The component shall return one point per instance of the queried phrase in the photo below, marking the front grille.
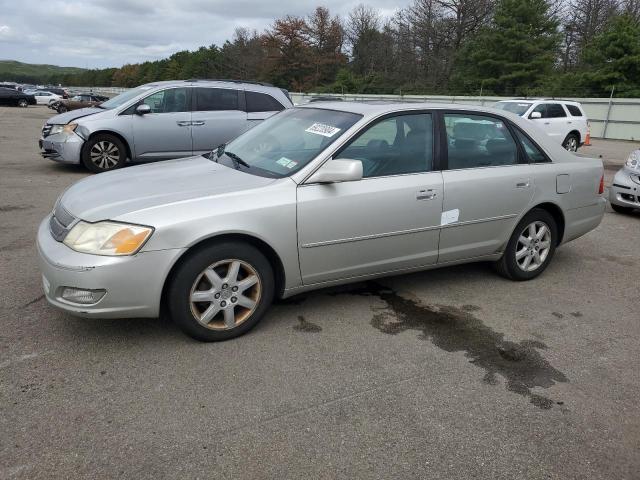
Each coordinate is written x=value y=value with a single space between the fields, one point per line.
x=60 y=222
x=46 y=130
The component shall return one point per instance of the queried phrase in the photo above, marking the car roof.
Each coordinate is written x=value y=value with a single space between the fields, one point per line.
x=375 y=108
x=214 y=83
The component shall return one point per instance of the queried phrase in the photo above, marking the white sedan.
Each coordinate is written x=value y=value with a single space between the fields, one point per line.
x=45 y=98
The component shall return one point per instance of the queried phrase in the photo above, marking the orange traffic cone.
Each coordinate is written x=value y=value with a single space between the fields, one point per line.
x=587 y=140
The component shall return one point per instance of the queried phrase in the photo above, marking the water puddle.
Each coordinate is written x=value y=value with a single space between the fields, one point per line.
x=454 y=329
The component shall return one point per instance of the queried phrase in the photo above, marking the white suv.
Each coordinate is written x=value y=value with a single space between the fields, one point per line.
x=563 y=120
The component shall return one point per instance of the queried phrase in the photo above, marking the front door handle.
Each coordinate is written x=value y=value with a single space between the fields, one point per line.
x=198 y=123
x=426 y=194
x=523 y=184
x=184 y=123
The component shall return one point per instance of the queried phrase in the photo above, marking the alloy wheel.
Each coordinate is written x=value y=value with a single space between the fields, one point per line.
x=225 y=294
x=571 y=144
x=22 y=103
x=533 y=247
x=105 y=154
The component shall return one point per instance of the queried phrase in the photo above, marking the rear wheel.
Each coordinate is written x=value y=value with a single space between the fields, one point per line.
x=22 y=103
x=621 y=209
x=571 y=143
x=221 y=291
x=103 y=153
x=62 y=109
x=530 y=248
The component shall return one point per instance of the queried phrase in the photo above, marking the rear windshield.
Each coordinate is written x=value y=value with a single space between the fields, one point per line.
x=519 y=108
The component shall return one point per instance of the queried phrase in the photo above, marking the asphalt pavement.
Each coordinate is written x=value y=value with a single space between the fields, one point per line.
x=453 y=373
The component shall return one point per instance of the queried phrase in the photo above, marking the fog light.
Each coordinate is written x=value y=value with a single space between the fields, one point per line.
x=84 y=297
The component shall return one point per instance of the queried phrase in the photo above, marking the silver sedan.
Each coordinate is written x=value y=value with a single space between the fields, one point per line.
x=624 y=193
x=319 y=195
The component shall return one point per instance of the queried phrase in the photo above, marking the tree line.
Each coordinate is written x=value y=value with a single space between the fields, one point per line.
x=501 y=47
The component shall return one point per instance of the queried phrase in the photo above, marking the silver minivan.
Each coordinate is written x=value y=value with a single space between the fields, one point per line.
x=159 y=121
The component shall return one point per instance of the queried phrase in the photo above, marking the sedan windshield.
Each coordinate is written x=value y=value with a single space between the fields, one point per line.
x=123 y=98
x=518 y=108
x=286 y=142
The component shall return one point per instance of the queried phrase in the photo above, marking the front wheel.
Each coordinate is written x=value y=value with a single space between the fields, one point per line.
x=530 y=248
x=221 y=291
x=103 y=153
x=571 y=142
x=22 y=103
x=62 y=109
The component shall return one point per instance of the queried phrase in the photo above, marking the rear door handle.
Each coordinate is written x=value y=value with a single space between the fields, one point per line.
x=198 y=123
x=184 y=123
x=426 y=194
x=523 y=184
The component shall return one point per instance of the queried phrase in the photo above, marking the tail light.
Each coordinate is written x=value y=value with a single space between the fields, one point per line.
x=601 y=187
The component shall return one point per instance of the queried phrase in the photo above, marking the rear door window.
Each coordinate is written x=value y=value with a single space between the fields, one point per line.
x=261 y=102
x=555 y=110
x=209 y=99
x=475 y=141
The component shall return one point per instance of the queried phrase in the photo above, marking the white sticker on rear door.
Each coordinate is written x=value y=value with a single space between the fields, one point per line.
x=450 y=216
x=322 y=129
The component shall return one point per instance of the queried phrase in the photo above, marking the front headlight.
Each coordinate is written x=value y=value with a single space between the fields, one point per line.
x=68 y=128
x=633 y=161
x=107 y=238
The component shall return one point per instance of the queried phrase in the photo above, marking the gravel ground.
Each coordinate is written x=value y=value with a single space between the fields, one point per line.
x=454 y=373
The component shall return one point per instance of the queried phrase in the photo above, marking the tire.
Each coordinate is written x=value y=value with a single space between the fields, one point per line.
x=571 y=143
x=62 y=109
x=621 y=209
x=103 y=152
x=208 y=274
x=23 y=103
x=540 y=252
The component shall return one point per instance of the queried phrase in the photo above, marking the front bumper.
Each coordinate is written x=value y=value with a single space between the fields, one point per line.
x=133 y=284
x=61 y=147
x=625 y=189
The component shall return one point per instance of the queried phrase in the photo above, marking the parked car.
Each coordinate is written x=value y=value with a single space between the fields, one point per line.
x=624 y=193
x=44 y=98
x=9 y=96
x=563 y=120
x=159 y=121
x=58 y=91
x=318 y=195
x=81 y=100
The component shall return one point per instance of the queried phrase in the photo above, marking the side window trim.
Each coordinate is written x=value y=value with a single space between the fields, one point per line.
x=515 y=128
x=436 y=164
x=443 y=151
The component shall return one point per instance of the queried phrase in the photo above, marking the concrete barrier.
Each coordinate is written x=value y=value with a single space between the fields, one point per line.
x=615 y=118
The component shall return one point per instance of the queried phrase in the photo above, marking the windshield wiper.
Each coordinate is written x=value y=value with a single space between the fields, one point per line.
x=237 y=159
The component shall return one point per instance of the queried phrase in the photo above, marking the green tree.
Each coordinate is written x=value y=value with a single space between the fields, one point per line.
x=613 y=59
x=514 y=54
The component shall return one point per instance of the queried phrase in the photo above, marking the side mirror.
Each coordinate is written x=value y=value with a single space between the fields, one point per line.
x=143 y=109
x=535 y=115
x=340 y=170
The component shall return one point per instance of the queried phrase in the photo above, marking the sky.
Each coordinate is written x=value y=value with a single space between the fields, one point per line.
x=110 y=33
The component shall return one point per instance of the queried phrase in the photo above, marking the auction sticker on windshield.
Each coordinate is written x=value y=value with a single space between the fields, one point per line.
x=322 y=129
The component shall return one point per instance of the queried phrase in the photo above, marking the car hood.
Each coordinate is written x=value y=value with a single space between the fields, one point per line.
x=109 y=195
x=67 y=117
